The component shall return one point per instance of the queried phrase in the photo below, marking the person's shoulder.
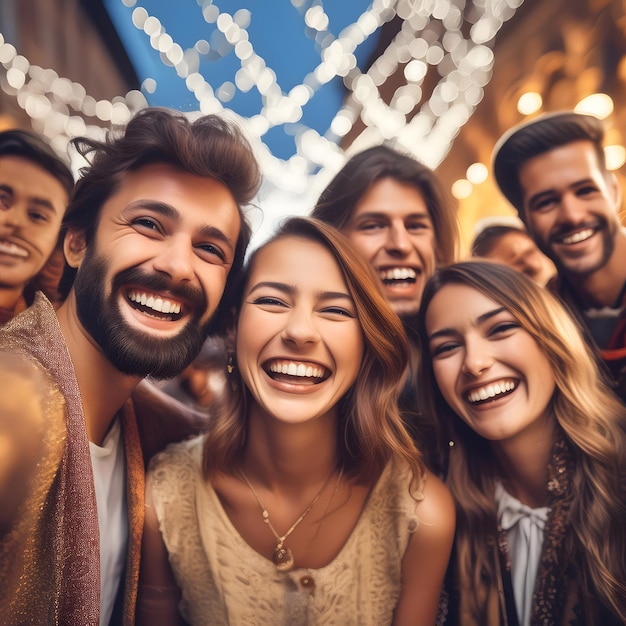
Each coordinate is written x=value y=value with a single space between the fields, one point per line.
x=37 y=317
x=438 y=507
x=178 y=456
x=431 y=499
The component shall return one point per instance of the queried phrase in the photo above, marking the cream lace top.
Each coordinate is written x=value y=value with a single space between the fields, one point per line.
x=225 y=582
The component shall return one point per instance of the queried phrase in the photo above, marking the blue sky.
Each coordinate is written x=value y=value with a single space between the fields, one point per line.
x=277 y=32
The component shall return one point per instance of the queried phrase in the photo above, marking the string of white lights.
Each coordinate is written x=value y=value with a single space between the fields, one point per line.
x=430 y=49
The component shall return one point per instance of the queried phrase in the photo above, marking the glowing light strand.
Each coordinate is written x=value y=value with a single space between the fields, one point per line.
x=430 y=43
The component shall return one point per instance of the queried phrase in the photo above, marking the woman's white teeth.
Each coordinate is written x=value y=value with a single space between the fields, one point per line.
x=581 y=235
x=296 y=369
x=155 y=303
x=490 y=391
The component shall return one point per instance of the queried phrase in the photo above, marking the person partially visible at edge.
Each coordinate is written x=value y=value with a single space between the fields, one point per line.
x=395 y=212
x=306 y=502
x=553 y=171
x=508 y=242
x=35 y=186
x=153 y=237
x=538 y=459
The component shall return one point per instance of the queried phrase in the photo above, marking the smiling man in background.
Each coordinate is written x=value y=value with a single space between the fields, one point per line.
x=397 y=215
x=506 y=241
x=35 y=185
x=553 y=171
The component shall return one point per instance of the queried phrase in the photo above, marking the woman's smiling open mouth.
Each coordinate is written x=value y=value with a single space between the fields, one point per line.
x=492 y=391
x=296 y=372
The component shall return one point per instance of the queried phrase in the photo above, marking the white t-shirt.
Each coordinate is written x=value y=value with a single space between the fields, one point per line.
x=109 y=474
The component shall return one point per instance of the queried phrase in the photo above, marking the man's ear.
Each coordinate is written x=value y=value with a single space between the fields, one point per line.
x=74 y=247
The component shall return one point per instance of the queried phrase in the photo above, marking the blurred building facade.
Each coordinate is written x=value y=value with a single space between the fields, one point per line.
x=67 y=39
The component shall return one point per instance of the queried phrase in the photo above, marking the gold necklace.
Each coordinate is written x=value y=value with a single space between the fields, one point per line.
x=283 y=557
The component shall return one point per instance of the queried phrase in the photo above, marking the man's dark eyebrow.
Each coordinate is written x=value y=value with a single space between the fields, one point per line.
x=42 y=203
x=172 y=213
x=481 y=319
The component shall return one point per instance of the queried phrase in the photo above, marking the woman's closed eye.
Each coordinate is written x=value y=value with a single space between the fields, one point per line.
x=444 y=349
x=271 y=301
x=339 y=311
x=503 y=328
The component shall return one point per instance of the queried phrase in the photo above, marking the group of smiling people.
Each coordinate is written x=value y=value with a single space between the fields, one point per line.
x=319 y=494
x=403 y=439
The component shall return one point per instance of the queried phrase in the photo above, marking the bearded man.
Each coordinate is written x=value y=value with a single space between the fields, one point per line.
x=154 y=235
x=553 y=171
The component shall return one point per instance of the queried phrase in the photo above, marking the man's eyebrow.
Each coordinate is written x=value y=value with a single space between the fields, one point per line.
x=481 y=319
x=42 y=203
x=172 y=213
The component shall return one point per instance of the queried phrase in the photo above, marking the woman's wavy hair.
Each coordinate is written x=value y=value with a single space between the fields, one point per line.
x=590 y=417
x=207 y=146
x=371 y=431
x=338 y=201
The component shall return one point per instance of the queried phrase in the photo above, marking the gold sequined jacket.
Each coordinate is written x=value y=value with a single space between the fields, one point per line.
x=49 y=561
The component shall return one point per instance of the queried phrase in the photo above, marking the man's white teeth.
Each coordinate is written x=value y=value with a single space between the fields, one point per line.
x=154 y=302
x=7 y=247
x=398 y=273
x=581 y=235
x=490 y=391
x=296 y=369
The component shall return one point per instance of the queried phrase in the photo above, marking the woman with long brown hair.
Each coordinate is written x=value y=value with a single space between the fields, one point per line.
x=306 y=501
x=537 y=456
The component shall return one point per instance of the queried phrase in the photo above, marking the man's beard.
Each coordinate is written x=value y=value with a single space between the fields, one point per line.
x=608 y=232
x=131 y=351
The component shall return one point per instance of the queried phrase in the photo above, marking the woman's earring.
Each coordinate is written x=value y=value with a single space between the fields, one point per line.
x=231 y=365
x=451 y=443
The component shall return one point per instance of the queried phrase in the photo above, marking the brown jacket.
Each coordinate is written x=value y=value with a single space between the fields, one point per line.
x=49 y=561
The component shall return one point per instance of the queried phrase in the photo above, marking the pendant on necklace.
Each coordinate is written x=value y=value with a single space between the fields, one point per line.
x=282 y=559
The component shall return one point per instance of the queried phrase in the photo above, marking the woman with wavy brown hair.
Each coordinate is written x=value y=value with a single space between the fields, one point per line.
x=537 y=456
x=306 y=502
